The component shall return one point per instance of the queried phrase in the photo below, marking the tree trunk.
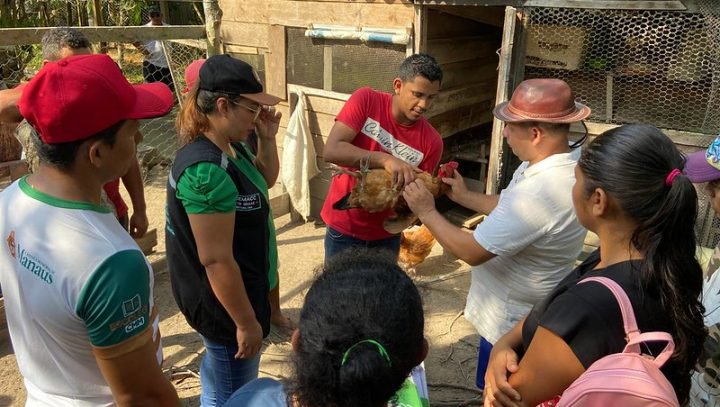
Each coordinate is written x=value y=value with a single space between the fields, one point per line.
x=213 y=16
x=165 y=11
x=69 y=12
x=45 y=14
x=22 y=15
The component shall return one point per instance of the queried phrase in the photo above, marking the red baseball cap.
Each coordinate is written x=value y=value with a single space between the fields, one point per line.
x=191 y=73
x=79 y=96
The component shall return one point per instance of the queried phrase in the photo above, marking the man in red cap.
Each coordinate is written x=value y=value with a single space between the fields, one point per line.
x=531 y=237
x=59 y=43
x=78 y=290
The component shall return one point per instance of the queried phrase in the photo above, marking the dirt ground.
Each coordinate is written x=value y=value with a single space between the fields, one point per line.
x=443 y=282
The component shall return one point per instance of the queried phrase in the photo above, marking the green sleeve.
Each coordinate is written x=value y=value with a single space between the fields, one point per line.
x=115 y=301
x=206 y=188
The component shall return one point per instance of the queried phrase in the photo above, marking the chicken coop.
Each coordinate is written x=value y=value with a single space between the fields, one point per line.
x=630 y=61
x=327 y=50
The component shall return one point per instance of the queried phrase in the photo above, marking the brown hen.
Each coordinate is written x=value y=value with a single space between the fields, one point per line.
x=415 y=246
x=374 y=192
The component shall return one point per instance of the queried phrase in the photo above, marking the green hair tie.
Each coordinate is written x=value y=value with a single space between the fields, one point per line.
x=380 y=348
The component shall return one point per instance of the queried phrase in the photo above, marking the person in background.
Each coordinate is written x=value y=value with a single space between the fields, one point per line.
x=59 y=43
x=387 y=131
x=219 y=226
x=531 y=236
x=704 y=167
x=276 y=316
x=643 y=209
x=78 y=291
x=155 y=63
x=360 y=334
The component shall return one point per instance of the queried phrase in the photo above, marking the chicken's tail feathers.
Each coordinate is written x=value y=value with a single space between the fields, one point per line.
x=398 y=224
x=343 y=203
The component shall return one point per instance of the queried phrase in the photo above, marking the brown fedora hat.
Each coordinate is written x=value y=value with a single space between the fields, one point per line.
x=542 y=100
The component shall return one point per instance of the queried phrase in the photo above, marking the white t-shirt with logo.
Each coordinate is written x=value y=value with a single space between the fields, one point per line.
x=73 y=281
x=536 y=237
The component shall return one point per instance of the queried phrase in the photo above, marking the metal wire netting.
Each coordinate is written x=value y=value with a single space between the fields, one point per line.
x=629 y=65
x=637 y=66
x=710 y=11
x=159 y=134
x=157 y=150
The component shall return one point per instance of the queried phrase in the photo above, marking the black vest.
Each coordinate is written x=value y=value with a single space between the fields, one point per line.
x=190 y=284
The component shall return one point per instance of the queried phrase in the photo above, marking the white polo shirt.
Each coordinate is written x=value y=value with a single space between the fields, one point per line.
x=536 y=238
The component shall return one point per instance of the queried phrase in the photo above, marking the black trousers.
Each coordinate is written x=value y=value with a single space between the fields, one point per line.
x=153 y=73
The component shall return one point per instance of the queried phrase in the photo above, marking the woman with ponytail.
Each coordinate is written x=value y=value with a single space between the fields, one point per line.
x=220 y=238
x=630 y=191
x=359 y=337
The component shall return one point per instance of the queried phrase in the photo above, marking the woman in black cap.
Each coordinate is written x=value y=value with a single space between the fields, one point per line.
x=219 y=225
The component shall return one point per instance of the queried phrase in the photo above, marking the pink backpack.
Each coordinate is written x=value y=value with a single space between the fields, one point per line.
x=626 y=379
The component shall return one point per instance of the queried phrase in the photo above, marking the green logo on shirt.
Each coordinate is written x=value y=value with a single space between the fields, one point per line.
x=35 y=266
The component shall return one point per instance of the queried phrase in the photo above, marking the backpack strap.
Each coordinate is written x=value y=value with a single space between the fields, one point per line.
x=628 y=315
x=663 y=357
x=633 y=336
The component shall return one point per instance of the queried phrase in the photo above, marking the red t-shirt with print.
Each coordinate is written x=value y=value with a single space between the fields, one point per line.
x=369 y=112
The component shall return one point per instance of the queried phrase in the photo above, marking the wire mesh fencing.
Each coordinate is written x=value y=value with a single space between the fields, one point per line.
x=637 y=66
x=147 y=61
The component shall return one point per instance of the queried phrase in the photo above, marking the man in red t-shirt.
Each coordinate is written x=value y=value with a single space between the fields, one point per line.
x=390 y=132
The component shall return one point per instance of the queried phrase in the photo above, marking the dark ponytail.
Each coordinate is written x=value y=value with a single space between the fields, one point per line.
x=361 y=296
x=633 y=164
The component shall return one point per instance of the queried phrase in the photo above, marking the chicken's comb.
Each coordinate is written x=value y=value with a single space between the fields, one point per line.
x=447 y=169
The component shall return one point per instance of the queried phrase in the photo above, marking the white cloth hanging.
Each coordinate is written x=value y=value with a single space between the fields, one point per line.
x=299 y=160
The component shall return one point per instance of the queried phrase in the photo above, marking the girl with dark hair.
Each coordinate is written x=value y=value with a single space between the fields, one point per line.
x=360 y=335
x=631 y=193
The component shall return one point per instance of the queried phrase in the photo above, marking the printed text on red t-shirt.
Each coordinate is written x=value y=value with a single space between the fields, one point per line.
x=372 y=129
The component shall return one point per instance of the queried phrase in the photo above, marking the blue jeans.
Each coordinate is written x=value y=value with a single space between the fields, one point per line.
x=221 y=374
x=484 y=350
x=336 y=242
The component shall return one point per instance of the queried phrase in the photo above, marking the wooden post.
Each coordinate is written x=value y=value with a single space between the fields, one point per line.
x=164 y=10
x=503 y=89
x=275 y=75
x=327 y=67
x=420 y=28
x=213 y=17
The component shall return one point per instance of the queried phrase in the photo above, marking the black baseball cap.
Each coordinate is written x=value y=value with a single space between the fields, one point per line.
x=223 y=73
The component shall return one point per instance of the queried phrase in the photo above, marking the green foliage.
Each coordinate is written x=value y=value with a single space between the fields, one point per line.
x=135 y=10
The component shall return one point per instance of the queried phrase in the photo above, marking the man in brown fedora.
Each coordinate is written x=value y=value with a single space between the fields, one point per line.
x=531 y=237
